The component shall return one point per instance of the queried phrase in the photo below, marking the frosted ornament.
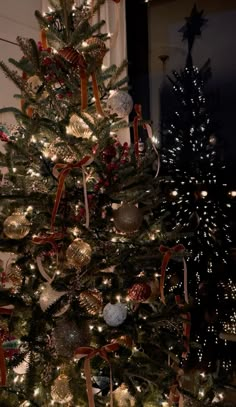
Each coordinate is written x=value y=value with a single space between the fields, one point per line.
x=114 y=314
x=68 y=336
x=49 y=296
x=120 y=103
x=16 y=226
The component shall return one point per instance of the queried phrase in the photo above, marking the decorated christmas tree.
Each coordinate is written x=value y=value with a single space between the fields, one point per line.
x=197 y=200
x=96 y=305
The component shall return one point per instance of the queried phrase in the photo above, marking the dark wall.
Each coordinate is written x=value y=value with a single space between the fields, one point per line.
x=137 y=46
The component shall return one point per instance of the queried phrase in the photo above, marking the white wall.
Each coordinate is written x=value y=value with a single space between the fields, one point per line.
x=16 y=18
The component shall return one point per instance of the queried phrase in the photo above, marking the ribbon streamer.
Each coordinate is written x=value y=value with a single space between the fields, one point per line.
x=44 y=39
x=89 y=353
x=147 y=127
x=50 y=239
x=186 y=327
x=7 y=310
x=65 y=170
x=168 y=253
x=175 y=394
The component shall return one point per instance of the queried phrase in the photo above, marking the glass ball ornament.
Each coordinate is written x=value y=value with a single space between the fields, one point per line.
x=59 y=151
x=14 y=278
x=91 y=300
x=97 y=52
x=78 y=253
x=114 y=314
x=120 y=103
x=34 y=83
x=60 y=391
x=122 y=397
x=16 y=226
x=78 y=128
x=49 y=296
x=128 y=218
x=68 y=336
x=139 y=292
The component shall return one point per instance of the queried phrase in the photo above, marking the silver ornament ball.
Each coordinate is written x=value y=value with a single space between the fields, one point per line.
x=120 y=103
x=114 y=314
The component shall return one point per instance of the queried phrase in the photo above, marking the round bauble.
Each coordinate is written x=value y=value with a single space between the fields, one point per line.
x=97 y=52
x=49 y=296
x=60 y=391
x=71 y=55
x=59 y=151
x=16 y=226
x=122 y=397
x=91 y=300
x=124 y=340
x=68 y=336
x=79 y=253
x=120 y=103
x=139 y=292
x=14 y=278
x=128 y=218
x=114 y=314
x=34 y=83
x=78 y=128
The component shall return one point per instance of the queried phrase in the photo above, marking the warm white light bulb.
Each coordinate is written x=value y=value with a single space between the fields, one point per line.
x=204 y=193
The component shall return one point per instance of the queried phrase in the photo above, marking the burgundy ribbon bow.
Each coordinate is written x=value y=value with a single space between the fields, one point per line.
x=65 y=170
x=168 y=253
x=88 y=353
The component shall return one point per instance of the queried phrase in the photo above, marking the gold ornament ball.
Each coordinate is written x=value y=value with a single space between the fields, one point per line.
x=91 y=300
x=128 y=218
x=78 y=128
x=16 y=226
x=122 y=397
x=15 y=278
x=98 y=52
x=60 y=391
x=79 y=253
x=59 y=151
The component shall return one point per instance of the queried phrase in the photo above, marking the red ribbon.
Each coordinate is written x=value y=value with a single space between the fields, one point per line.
x=50 y=239
x=89 y=353
x=186 y=327
x=3 y=370
x=66 y=168
x=168 y=253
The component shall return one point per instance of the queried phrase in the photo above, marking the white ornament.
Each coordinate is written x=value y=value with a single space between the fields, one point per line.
x=120 y=102
x=114 y=314
x=49 y=296
x=34 y=83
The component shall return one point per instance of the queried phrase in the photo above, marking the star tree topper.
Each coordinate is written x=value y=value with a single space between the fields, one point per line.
x=192 y=27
